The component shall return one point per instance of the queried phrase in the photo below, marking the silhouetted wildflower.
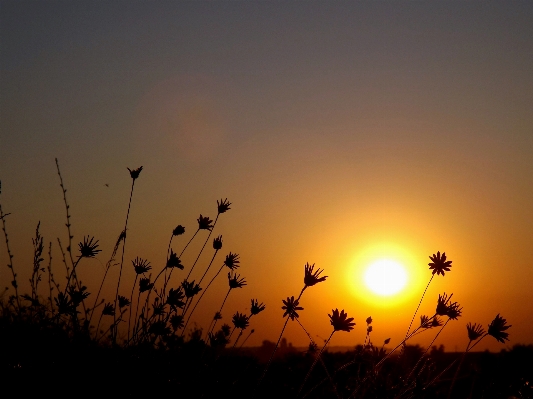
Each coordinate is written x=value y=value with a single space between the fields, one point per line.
x=175 y=298
x=123 y=301
x=240 y=320
x=311 y=278
x=217 y=316
x=140 y=265
x=135 y=173
x=223 y=205
x=176 y=321
x=174 y=261
x=217 y=243
x=439 y=263
x=226 y=329
x=474 y=331
x=436 y=322
x=256 y=307
x=340 y=322
x=77 y=296
x=88 y=249
x=425 y=322
x=386 y=342
x=204 y=223
x=64 y=304
x=235 y=281
x=220 y=338
x=179 y=230
x=312 y=348
x=497 y=328
x=190 y=288
x=454 y=311
x=109 y=309
x=159 y=328
x=232 y=261
x=442 y=304
x=291 y=306
x=369 y=320
x=145 y=285
x=369 y=329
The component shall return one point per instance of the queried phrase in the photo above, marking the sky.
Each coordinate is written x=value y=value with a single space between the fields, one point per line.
x=341 y=132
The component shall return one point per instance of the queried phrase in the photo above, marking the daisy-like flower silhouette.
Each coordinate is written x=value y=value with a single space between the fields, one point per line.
x=474 y=331
x=340 y=321
x=204 y=223
x=369 y=320
x=436 y=322
x=443 y=304
x=174 y=261
x=217 y=243
x=232 y=261
x=141 y=266
x=179 y=230
x=123 y=301
x=439 y=264
x=144 y=284
x=240 y=320
x=190 y=288
x=217 y=316
x=256 y=307
x=235 y=281
x=497 y=328
x=425 y=322
x=135 y=172
x=88 y=248
x=109 y=309
x=311 y=278
x=291 y=307
x=223 y=205
x=454 y=311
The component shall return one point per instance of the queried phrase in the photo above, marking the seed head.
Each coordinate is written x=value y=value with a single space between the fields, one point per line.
x=340 y=321
x=135 y=173
x=369 y=320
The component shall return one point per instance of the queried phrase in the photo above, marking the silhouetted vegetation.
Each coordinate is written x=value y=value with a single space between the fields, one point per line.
x=54 y=339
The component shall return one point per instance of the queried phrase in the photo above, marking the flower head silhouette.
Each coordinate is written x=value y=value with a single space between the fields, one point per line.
x=256 y=307
x=223 y=205
x=235 y=281
x=144 y=284
x=109 y=309
x=217 y=316
x=190 y=288
x=240 y=320
x=88 y=248
x=497 y=328
x=291 y=306
x=135 y=173
x=174 y=261
x=443 y=304
x=179 y=230
x=217 y=243
x=176 y=321
x=175 y=297
x=369 y=320
x=204 y=223
x=232 y=261
x=340 y=321
x=311 y=278
x=439 y=264
x=140 y=265
x=474 y=331
x=454 y=311
x=123 y=301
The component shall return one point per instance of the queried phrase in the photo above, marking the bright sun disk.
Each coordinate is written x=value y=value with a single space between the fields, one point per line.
x=385 y=277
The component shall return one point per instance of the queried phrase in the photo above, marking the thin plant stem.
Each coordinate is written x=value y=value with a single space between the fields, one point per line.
x=273 y=352
x=203 y=246
x=314 y=363
x=418 y=307
x=10 y=264
x=220 y=311
x=209 y=266
x=122 y=257
x=246 y=339
x=131 y=304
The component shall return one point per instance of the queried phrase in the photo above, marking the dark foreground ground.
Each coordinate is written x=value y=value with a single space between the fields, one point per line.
x=47 y=363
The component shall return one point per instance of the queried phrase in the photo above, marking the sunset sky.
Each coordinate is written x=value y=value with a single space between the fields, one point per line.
x=341 y=132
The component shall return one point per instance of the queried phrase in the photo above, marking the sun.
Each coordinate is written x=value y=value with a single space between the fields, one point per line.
x=385 y=277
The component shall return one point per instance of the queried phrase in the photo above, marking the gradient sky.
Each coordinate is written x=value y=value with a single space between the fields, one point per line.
x=340 y=132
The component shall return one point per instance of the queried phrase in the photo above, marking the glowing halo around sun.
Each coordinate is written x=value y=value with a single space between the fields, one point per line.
x=385 y=277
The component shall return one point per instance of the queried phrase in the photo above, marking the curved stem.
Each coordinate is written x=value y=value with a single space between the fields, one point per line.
x=418 y=307
x=314 y=363
x=273 y=352
x=203 y=246
x=131 y=304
